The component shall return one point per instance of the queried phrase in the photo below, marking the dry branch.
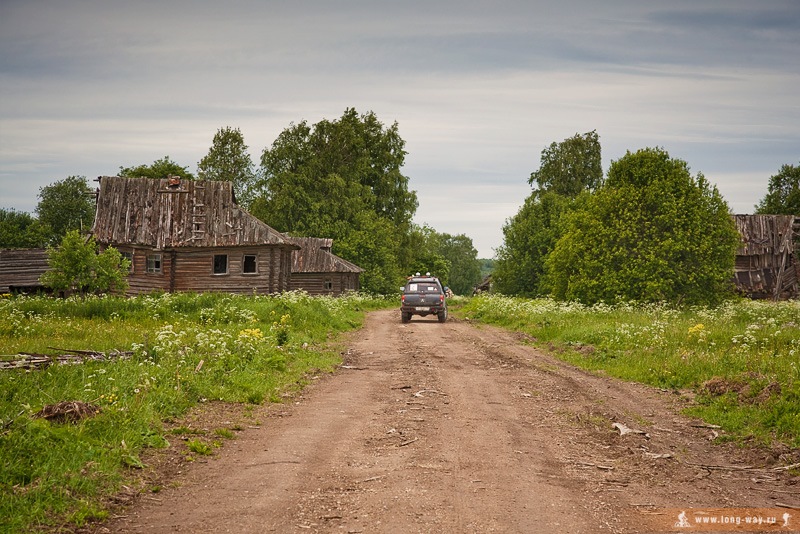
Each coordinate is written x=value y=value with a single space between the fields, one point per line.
x=37 y=361
x=68 y=411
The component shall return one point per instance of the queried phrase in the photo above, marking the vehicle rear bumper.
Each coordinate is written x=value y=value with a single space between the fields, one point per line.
x=422 y=310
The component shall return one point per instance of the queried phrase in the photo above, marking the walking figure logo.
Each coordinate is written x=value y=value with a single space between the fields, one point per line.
x=786 y=518
x=683 y=521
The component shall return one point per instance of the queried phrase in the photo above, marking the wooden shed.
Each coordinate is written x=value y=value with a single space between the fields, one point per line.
x=318 y=271
x=186 y=235
x=766 y=260
x=20 y=269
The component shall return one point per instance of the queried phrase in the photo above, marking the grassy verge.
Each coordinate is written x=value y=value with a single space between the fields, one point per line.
x=742 y=359
x=184 y=349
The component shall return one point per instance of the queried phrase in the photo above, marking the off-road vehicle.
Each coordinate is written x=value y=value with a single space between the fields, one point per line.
x=423 y=295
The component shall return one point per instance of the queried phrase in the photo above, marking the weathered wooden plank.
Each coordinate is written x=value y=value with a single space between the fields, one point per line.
x=766 y=260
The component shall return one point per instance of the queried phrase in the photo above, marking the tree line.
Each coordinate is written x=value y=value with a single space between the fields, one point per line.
x=648 y=230
x=339 y=179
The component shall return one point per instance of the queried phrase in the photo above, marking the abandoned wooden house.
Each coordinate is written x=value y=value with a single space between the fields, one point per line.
x=318 y=271
x=20 y=269
x=766 y=261
x=184 y=235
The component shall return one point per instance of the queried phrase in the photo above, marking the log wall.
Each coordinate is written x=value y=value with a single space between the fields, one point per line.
x=314 y=283
x=193 y=270
x=20 y=269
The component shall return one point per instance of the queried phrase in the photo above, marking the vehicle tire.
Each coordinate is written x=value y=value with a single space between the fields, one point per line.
x=442 y=316
x=405 y=316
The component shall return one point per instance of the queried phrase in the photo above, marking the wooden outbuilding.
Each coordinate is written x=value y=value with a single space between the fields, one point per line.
x=20 y=269
x=766 y=261
x=318 y=271
x=190 y=235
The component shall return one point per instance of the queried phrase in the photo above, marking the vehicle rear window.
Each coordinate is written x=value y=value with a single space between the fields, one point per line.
x=422 y=288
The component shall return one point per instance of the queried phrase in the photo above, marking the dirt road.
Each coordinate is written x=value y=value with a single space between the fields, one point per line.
x=450 y=428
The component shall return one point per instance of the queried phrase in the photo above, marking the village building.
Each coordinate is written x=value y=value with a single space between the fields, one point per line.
x=189 y=235
x=318 y=271
x=766 y=261
x=21 y=268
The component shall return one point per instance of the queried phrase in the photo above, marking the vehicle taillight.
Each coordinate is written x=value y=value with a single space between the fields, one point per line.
x=441 y=298
x=403 y=299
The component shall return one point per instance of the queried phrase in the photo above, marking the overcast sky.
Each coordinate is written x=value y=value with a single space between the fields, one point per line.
x=477 y=88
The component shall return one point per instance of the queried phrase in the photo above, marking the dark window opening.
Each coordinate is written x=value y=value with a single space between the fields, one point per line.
x=328 y=285
x=154 y=263
x=220 y=264
x=249 y=265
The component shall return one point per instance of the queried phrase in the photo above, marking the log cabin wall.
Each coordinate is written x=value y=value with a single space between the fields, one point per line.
x=139 y=279
x=193 y=270
x=325 y=283
x=20 y=269
x=315 y=269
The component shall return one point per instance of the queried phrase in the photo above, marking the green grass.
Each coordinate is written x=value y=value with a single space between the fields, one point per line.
x=742 y=359
x=184 y=349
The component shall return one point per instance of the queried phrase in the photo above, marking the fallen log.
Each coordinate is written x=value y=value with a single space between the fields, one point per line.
x=29 y=361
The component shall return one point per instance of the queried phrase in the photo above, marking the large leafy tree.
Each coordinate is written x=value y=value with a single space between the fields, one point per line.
x=783 y=193
x=76 y=268
x=452 y=258
x=342 y=179
x=228 y=160
x=566 y=170
x=66 y=205
x=653 y=232
x=160 y=168
x=428 y=257
x=528 y=237
x=570 y=167
x=21 y=230
x=370 y=245
x=465 y=269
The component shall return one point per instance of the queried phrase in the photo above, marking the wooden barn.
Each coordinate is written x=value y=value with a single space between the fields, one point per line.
x=766 y=262
x=320 y=272
x=184 y=235
x=20 y=269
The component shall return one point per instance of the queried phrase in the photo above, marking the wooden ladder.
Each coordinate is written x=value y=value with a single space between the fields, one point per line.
x=198 y=212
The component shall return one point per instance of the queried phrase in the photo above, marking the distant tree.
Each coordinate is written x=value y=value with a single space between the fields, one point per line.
x=465 y=270
x=356 y=155
x=228 y=160
x=571 y=166
x=487 y=266
x=428 y=256
x=567 y=170
x=372 y=245
x=653 y=232
x=528 y=238
x=21 y=230
x=66 y=205
x=76 y=268
x=453 y=259
x=160 y=168
x=341 y=179
x=783 y=194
